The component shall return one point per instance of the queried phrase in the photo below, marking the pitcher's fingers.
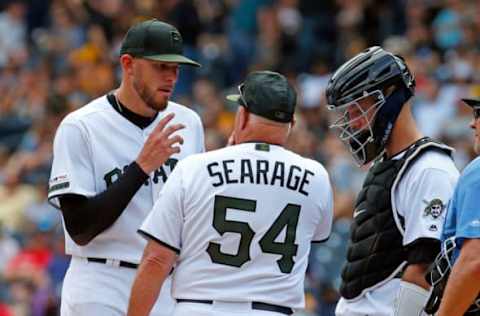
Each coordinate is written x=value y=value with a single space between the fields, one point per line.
x=163 y=122
x=172 y=129
x=175 y=139
x=174 y=150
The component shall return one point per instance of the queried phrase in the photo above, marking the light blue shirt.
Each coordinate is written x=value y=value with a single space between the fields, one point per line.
x=463 y=215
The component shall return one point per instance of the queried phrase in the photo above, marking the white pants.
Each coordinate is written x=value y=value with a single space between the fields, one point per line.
x=91 y=288
x=378 y=302
x=220 y=309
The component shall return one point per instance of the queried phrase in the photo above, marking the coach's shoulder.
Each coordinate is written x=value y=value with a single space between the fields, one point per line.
x=318 y=168
x=192 y=163
x=204 y=158
x=311 y=164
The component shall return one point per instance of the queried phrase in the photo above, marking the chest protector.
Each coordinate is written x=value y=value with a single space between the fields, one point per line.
x=375 y=252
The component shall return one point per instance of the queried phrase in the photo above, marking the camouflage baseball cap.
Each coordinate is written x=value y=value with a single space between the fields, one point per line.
x=155 y=40
x=267 y=94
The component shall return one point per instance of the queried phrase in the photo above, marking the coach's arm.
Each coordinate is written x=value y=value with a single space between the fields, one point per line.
x=157 y=262
x=463 y=285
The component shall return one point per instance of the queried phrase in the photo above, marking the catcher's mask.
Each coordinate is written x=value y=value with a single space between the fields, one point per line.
x=354 y=122
x=373 y=77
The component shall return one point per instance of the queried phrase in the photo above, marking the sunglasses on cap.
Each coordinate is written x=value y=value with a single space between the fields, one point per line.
x=476 y=113
x=240 y=91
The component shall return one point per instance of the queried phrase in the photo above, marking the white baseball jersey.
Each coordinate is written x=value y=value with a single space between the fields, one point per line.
x=420 y=197
x=92 y=146
x=242 y=219
x=423 y=193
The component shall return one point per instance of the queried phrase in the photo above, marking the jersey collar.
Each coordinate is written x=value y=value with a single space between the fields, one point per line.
x=139 y=120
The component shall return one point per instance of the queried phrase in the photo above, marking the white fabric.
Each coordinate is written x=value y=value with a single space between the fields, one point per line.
x=432 y=176
x=96 y=140
x=220 y=309
x=86 y=309
x=378 y=302
x=91 y=288
x=183 y=217
x=410 y=300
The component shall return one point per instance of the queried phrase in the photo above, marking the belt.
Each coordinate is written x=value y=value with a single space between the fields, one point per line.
x=123 y=264
x=255 y=305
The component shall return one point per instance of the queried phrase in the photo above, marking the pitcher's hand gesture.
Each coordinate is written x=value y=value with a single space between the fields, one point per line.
x=160 y=145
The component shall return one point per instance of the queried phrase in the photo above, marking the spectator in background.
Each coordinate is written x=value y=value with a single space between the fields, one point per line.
x=434 y=107
x=4 y=310
x=447 y=25
x=13 y=34
x=15 y=196
x=9 y=247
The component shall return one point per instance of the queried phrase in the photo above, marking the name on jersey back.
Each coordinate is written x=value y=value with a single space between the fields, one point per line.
x=261 y=172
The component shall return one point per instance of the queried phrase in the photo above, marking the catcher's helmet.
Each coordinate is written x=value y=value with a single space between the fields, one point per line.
x=374 y=84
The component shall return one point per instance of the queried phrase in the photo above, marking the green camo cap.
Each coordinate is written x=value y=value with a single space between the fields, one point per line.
x=267 y=94
x=155 y=40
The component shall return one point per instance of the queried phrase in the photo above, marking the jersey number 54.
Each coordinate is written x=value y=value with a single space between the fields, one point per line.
x=287 y=249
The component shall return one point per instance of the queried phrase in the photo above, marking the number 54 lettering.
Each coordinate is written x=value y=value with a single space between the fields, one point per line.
x=287 y=249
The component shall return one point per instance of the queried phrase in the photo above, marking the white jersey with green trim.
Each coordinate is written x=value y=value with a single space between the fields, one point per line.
x=92 y=147
x=242 y=220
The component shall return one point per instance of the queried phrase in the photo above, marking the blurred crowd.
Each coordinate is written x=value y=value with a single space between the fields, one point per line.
x=56 y=55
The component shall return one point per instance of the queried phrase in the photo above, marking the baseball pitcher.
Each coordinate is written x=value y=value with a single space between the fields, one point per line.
x=111 y=159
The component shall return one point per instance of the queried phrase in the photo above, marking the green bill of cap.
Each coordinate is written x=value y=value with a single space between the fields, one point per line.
x=173 y=58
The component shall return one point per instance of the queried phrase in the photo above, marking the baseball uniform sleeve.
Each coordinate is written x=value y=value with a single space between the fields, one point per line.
x=72 y=171
x=468 y=216
x=325 y=203
x=164 y=224
x=424 y=202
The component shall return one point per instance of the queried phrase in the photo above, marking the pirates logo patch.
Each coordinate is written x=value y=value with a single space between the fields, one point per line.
x=176 y=38
x=434 y=208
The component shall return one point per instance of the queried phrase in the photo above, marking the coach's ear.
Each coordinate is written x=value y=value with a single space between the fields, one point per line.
x=126 y=61
x=243 y=117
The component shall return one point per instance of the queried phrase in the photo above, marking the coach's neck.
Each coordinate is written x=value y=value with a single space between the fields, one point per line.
x=250 y=127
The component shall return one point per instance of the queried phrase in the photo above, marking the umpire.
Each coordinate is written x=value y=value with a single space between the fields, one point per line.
x=462 y=231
